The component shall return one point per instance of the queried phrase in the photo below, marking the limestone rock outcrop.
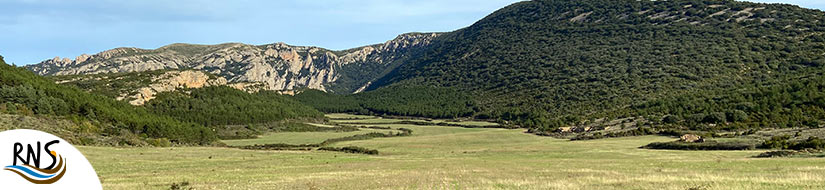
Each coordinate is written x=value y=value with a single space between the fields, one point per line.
x=278 y=66
x=171 y=81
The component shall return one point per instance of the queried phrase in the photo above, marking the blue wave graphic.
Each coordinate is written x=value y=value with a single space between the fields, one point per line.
x=30 y=172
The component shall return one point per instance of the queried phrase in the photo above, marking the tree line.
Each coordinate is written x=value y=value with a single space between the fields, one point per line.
x=419 y=101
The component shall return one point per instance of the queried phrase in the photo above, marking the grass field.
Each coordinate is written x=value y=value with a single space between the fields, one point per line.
x=437 y=157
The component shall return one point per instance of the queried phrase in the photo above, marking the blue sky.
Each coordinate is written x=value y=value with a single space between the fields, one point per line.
x=34 y=30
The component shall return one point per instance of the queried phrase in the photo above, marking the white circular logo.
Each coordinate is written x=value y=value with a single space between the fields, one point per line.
x=37 y=160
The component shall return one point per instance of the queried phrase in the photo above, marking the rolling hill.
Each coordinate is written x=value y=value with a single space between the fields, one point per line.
x=548 y=63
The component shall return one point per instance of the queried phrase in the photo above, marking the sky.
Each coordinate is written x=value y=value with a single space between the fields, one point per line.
x=34 y=30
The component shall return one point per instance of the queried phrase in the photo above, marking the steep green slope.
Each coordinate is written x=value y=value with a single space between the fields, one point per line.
x=23 y=92
x=545 y=63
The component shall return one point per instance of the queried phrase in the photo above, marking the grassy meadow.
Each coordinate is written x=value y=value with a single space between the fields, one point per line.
x=438 y=157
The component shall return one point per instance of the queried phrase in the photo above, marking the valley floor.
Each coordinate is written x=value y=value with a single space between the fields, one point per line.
x=438 y=157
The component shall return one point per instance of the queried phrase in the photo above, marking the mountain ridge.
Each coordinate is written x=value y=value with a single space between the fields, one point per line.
x=278 y=66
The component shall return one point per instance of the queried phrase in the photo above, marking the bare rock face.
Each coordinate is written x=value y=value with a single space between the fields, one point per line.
x=278 y=66
x=173 y=80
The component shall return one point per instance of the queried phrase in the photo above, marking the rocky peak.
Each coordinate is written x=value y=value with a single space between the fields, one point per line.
x=409 y=40
x=277 y=66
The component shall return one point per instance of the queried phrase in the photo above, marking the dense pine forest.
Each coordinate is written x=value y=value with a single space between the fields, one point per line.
x=418 y=101
x=217 y=106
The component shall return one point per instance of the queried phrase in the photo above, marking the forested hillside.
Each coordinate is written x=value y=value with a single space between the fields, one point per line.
x=24 y=93
x=547 y=63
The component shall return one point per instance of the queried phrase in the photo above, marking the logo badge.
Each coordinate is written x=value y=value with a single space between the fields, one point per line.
x=38 y=160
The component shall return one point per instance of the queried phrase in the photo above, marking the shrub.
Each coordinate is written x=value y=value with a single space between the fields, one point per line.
x=670 y=119
x=376 y=127
x=737 y=116
x=778 y=153
x=811 y=143
x=788 y=153
x=636 y=132
x=351 y=149
x=160 y=142
x=783 y=142
x=289 y=126
x=279 y=146
x=355 y=138
x=715 y=117
x=180 y=186
x=777 y=142
x=707 y=145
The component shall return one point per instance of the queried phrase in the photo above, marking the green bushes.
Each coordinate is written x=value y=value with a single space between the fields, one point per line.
x=792 y=153
x=707 y=145
x=777 y=142
x=810 y=143
x=778 y=153
x=229 y=132
x=356 y=137
x=404 y=132
x=280 y=146
x=254 y=130
x=351 y=149
x=160 y=142
x=784 y=142
x=303 y=127
x=635 y=132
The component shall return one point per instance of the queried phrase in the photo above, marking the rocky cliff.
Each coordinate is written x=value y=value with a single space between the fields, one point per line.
x=278 y=66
